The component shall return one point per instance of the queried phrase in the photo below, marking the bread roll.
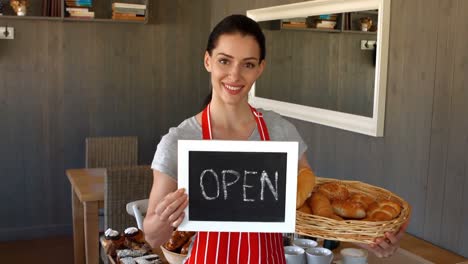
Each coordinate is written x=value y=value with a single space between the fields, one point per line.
x=305 y=209
x=320 y=204
x=334 y=191
x=305 y=185
x=363 y=199
x=385 y=210
x=348 y=209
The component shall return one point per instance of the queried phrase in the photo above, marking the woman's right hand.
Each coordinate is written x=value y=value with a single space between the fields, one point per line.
x=171 y=208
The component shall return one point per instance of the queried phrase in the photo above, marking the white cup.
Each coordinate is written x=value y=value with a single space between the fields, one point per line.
x=353 y=256
x=294 y=255
x=319 y=255
x=304 y=243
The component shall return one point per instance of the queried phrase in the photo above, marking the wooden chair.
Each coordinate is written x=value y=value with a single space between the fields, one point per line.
x=105 y=152
x=121 y=186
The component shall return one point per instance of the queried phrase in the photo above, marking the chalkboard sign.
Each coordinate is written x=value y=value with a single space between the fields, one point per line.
x=242 y=186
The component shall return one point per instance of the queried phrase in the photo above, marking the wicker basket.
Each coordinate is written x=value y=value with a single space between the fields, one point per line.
x=352 y=230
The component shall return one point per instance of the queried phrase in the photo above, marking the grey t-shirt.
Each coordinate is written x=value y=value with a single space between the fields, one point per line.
x=165 y=158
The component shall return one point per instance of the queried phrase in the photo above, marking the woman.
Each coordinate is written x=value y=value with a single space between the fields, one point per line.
x=234 y=58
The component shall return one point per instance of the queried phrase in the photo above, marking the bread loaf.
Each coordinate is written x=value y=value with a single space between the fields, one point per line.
x=348 y=209
x=334 y=191
x=305 y=185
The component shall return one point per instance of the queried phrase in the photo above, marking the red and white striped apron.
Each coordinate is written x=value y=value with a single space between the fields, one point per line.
x=235 y=247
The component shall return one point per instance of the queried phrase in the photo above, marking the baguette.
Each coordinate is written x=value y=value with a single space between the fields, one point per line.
x=305 y=185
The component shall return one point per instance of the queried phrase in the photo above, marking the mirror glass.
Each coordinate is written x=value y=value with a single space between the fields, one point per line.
x=325 y=63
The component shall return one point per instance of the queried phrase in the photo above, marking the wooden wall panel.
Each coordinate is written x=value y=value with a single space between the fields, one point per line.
x=422 y=156
x=63 y=81
x=456 y=183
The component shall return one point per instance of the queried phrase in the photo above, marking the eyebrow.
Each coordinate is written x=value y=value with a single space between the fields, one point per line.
x=229 y=56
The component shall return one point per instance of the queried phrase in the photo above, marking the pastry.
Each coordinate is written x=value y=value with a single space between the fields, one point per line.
x=305 y=209
x=348 y=209
x=334 y=191
x=321 y=206
x=177 y=240
x=385 y=210
x=363 y=199
x=185 y=247
x=134 y=238
x=113 y=241
x=305 y=185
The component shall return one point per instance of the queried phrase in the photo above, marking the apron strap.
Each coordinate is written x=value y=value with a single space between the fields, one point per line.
x=261 y=125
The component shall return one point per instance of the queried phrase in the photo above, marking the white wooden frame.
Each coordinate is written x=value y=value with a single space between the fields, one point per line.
x=373 y=126
x=291 y=148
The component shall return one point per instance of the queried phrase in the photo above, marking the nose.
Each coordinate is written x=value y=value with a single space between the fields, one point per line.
x=235 y=71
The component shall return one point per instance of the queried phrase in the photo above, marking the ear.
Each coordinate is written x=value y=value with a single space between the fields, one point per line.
x=261 y=67
x=207 y=61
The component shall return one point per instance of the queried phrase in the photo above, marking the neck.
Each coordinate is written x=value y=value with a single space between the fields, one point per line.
x=230 y=116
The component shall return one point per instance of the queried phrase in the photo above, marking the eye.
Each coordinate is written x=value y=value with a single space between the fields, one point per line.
x=223 y=61
x=250 y=65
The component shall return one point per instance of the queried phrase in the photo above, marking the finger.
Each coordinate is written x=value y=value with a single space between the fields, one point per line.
x=179 y=210
x=392 y=238
x=177 y=222
x=383 y=243
x=168 y=199
x=172 y=207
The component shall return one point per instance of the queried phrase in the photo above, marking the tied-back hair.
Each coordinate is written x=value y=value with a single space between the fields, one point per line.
x=230 y=25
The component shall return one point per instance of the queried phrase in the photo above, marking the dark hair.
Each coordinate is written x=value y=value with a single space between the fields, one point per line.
x=230 y=25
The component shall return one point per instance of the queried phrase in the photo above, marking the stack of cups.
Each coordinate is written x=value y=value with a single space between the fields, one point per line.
x=306 y=251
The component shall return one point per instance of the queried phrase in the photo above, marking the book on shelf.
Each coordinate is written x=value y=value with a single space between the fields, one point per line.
x=129 y=10
x=77 y=9
x=126 y=5
x=78 y=3
x=127 y=17
x=82 y=14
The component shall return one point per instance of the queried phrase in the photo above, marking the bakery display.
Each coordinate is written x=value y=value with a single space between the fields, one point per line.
x=129 y=247
x=134 y=237
x=113 y=241
x=350 y=211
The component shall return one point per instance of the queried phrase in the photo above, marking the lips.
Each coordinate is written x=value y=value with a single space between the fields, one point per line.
x=232 y=89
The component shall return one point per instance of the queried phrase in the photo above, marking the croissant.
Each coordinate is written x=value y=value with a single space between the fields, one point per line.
x=320 y=205
x=305 y=209
x=305 y=185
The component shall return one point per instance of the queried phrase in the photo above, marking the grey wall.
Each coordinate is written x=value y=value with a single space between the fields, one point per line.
x=423 y=156
x=63 y=81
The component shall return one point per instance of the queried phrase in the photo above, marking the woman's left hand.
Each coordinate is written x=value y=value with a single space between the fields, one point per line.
x=384 y=247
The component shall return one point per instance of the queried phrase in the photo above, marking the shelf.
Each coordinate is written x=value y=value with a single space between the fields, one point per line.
x=312 y=29
x=30 y=18
x=102 y=8
x=360 y=32
x=105 y=20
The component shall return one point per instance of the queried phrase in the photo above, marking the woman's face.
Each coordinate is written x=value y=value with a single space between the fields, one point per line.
x=234 y=67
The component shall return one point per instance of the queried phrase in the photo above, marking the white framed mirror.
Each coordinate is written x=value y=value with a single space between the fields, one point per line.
x=326 y=62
